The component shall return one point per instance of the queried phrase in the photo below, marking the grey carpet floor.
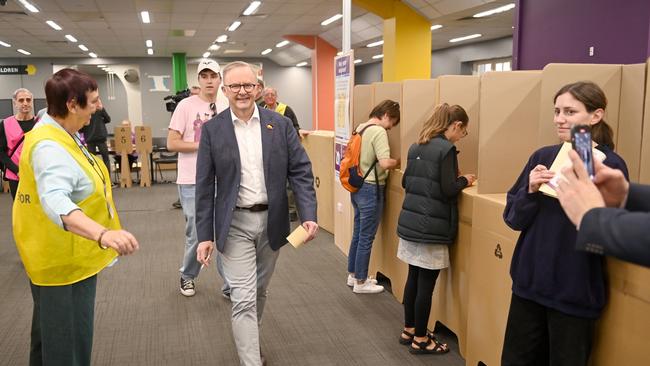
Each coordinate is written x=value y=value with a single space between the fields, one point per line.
x=311 y=317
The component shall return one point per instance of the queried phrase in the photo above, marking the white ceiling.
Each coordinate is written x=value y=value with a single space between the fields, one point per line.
x=113 y=28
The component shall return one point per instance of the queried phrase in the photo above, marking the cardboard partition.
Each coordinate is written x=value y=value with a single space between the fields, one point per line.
x=385 y=250
x=319 y=146
x=464 y=91
x=420 y=98
x=362 y=104
x=509 y=126
x=630 y=121
x=466 y=204
x=392 y=91
x=644 y=169
x=450 y=295
x=555 y=76
x=343 y=217
x=622 y=332
x=490 y=285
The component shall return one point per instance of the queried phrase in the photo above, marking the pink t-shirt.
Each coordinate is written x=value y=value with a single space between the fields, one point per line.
x=190 y=114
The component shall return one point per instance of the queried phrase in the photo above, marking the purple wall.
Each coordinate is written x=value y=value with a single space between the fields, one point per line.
x=549 y=31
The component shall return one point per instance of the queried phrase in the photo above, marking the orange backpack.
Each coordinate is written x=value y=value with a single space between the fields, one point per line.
x=350 y=173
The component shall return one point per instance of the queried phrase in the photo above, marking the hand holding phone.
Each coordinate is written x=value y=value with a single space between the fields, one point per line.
x=581 y=142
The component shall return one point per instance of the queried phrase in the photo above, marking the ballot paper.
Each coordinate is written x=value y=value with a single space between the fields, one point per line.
x=562 y=160
x=298 y=236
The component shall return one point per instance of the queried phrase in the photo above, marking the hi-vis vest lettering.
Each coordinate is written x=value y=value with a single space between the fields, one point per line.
x=51 y=255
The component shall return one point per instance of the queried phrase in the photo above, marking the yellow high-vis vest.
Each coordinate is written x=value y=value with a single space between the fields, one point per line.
x=51 y=255
x=280 y=108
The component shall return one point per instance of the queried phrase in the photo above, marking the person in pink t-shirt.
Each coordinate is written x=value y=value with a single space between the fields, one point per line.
x=184 y=136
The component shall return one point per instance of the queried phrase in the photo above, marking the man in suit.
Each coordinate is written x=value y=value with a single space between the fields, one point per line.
x=250 y=153
x=612 y=215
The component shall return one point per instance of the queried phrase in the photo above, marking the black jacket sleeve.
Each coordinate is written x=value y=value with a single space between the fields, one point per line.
x=621 y=233
x=107 y=118
x=294 y=120
x=451 y=184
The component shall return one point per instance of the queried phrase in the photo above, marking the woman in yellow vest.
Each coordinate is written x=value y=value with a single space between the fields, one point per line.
x=65 y=223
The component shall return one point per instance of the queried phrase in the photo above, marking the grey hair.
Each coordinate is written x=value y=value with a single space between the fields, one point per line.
x=268 y=89
x=21 y=90
x=237 y=64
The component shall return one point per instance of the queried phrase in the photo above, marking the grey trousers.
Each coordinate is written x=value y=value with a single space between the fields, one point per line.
x=248 y=264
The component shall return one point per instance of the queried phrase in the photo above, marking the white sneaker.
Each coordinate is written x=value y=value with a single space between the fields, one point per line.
x=352 y=280
x=368 y=287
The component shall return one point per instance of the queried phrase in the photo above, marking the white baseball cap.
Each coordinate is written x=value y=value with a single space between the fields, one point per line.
x=208 y=64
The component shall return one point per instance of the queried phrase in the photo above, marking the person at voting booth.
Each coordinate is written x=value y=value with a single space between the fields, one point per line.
x=557 y=292
x=65 y=193
x=368 y=201
x=428 y=222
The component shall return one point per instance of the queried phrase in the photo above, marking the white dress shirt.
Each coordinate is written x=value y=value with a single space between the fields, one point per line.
x=252 y=188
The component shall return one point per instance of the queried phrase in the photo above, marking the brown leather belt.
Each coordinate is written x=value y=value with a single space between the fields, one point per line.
x=255 y=208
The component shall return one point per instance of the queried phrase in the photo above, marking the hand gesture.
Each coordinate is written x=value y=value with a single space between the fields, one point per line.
x=312 y=229
x=538 y=176
x=204 y=252
x=121 y=241
x=611 y=183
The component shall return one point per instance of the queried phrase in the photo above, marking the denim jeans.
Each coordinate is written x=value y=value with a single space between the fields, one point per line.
x=191 y=267
x=367 y=214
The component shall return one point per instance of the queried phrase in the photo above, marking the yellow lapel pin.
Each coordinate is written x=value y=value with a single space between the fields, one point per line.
x=269 y=126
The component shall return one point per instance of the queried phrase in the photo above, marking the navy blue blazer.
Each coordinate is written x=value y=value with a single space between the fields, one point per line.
x=218 y=161
x=621 y=233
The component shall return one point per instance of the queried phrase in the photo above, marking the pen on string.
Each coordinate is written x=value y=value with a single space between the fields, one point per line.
x=206 y=259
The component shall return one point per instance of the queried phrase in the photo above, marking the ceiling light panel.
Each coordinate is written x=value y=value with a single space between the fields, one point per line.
x=266 y=51
x=301 y=64
x=23 y=52
x=92 y=54
x=465 y=38
x=252 y=7
x=282 y=44
x=29 y=6
x=148 y=43
x=144 y=15
x=83 y=48
x=149 y=51
x=4 y=44
x=70 y=38
x=54 y=26
x=375 y=44
x=498 y=10
x=331 y=19
x=233 y=27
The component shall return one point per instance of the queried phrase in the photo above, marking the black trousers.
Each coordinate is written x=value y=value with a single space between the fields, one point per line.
x=417 y=298
x=538 y=335
x=102 y=149
x=13 y=188
x=62 y=324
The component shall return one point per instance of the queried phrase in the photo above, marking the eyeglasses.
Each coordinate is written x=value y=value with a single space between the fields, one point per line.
x=24 y=100
x=213 y=108
x=235 y=88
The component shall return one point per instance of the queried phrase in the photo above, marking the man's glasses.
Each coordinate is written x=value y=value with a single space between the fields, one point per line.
x=24 y=100
x=213 y=108
x=235 y=88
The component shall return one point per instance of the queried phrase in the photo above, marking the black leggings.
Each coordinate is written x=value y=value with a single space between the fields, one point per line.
x=417 y=298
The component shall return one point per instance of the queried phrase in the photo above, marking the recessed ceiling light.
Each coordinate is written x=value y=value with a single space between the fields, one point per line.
x=214 y=47
x=71 y=38
x=266 y=51
x=92 y=54
x=145 y=17
x=436 y=26
x=23 y=51
x=465 y=38
x=150 y=51
x=376 y=57
x=83 y=48
x=4 y=44
x=252 y=7
x=53 y=25
x=233 y=51
x=500 y=9
x=375 y=44
x=357 y=61
x=28 y=6
x=206 y=55
x=148 y=43
x=331 y=19
x=282 y=44
x=101 y=66
x=233 y=27
x=222 y=38
x=301 y=64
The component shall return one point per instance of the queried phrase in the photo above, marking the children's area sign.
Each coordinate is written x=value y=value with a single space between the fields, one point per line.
x=17 y=70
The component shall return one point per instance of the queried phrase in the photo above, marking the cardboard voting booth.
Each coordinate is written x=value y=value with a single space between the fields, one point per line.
x=144 y=147
x=319 y=146
x=124 y=147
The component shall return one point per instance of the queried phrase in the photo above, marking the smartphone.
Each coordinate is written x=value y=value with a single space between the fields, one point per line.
x=581 y=142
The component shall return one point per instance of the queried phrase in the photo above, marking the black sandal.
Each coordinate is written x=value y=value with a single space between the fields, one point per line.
x=406 y=341
x=423 y=350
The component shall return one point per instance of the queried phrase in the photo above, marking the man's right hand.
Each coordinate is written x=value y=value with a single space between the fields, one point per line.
x=611 y=183
x=204 y=252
